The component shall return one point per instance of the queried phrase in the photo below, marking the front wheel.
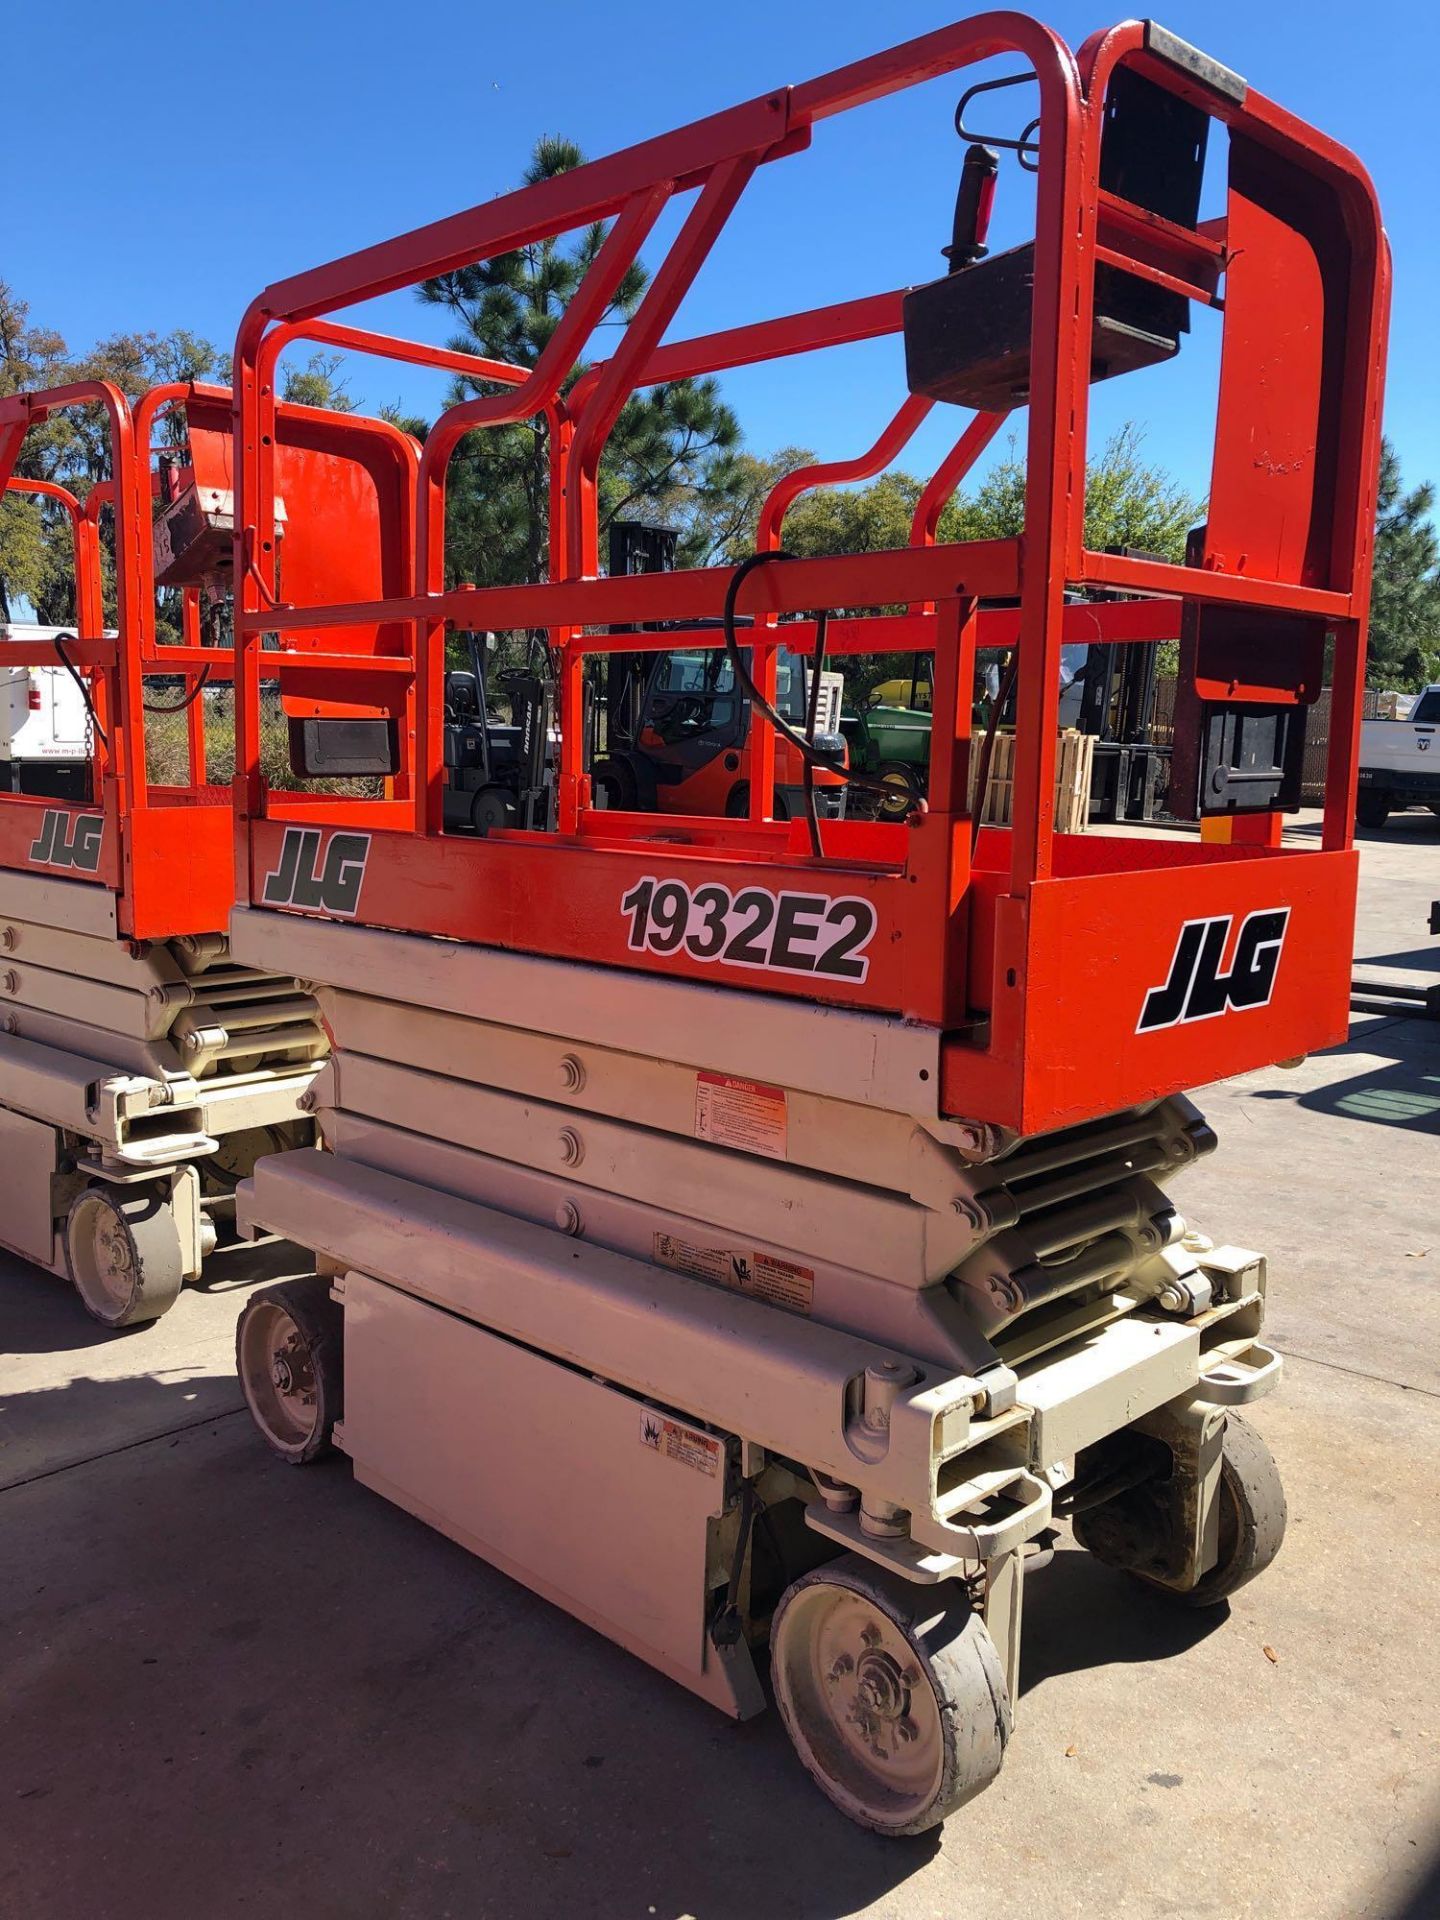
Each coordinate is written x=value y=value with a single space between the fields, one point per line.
x=123 y=1253
x=289 y=1355
x=615 y=787
x=491 y=809
x=892 y=1693
x=1251 y=1530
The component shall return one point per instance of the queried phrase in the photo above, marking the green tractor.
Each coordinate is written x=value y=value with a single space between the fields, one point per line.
x=890 y=741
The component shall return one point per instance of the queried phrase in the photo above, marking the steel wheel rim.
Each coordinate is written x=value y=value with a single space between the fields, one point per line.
x=278 y=1375
x=860 y=1705
x=103 y=1253
x=899 y=794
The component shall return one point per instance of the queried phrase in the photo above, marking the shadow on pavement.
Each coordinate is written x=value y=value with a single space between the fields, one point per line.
x=1419 y=959
x=1080 y=1614
x=325 y=1694
x=1404 y=1093
x=41 y=1313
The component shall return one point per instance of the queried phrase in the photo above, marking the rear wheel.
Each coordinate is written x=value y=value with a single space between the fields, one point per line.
x=902 y=790
x=289 y=1354
x=1372 y=810
x=123 y=1253
x=892 y=1693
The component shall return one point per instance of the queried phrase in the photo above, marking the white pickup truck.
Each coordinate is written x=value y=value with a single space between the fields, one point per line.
x=1400 y=762
x=44 y=726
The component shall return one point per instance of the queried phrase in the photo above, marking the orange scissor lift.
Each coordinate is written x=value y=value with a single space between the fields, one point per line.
x=752 y=1231
x=141 y=1069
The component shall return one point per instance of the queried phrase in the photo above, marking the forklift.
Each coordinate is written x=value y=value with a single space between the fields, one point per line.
x=671 y=732
x=499 y=774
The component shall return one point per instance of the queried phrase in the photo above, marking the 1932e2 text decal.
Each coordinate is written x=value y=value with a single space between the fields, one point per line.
x=809 y=933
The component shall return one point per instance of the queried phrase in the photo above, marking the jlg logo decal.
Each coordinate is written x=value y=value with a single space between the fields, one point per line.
x=302 y=880
x=69 y=840
x=1196 y=989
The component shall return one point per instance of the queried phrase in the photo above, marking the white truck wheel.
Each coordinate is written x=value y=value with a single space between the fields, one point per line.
x=123 y=1253
x=892 y=1693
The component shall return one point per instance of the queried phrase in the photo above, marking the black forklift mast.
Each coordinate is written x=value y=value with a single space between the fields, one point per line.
x=499 y=774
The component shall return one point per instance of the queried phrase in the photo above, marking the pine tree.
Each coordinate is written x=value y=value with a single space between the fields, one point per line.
x=1405 y=590
x=669 y=459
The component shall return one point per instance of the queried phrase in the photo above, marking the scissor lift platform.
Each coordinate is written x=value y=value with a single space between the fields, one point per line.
x=755 y=1233
x=142 y=1070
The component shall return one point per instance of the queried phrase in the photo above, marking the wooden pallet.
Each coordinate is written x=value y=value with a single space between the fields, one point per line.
x=1074 y=756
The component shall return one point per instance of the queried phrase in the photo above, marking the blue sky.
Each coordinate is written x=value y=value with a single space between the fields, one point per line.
x=360 y=118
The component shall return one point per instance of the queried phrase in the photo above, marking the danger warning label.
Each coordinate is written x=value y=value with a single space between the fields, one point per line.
x=688 y=1445
x=764 y=1276
x=740 y=1113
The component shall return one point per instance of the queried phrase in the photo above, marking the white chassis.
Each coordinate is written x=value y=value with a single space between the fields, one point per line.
x=593 y=1346
x=110 y=1098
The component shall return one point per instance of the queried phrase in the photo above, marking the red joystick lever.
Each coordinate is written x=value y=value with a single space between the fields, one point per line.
x=973 y=206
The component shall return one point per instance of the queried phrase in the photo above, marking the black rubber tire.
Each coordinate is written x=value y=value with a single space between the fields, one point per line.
x=614 y=776
x=319 y=1324
x=1372 y=810
x=492 y=807
x=737 y=803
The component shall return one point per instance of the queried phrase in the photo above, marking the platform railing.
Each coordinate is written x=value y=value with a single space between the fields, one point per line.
x=1079 y=225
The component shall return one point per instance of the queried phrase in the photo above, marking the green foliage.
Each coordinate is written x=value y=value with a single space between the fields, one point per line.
x=1405 y=589
x=72 y=449
x=318 y=384
x=668 y=460
x=1129 y=502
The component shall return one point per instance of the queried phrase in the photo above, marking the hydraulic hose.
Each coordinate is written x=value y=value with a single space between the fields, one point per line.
x=58 y=642
x=811 y=755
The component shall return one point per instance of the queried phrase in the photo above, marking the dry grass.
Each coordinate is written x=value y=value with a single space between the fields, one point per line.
x=167 y=744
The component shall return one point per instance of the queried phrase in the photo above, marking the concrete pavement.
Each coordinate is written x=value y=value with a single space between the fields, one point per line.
x=232 y=1688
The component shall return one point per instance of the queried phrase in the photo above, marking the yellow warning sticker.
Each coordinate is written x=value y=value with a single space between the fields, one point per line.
x=688 y=1445
x=764 y=1276
x=740 y=1113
